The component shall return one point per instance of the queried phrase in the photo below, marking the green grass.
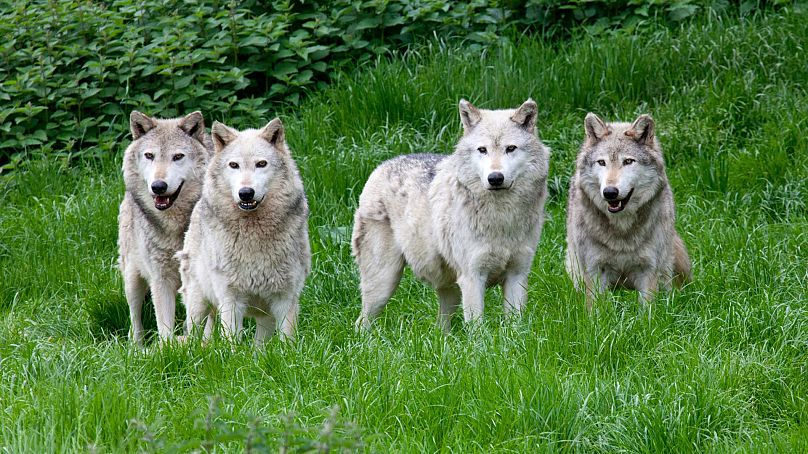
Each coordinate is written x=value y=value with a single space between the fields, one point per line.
x=721 y=366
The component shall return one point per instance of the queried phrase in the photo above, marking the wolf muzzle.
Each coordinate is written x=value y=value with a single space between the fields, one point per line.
x=247 y=199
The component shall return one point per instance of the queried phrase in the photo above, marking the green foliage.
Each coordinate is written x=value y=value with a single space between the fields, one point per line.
x=72 y=71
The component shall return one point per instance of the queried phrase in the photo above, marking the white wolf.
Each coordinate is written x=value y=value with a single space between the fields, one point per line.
x=163 y=170
x=462 y=222
x=247 y=249
x=620 y=217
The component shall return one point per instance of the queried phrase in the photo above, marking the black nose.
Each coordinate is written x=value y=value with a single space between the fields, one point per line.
x=246 y=194
x=496 y=178
x=610 y=192
x=159 y=187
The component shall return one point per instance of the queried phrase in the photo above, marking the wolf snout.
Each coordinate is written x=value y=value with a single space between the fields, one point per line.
x=246 y=194
x=496 y=179
x=159 y=187
x=610 y=192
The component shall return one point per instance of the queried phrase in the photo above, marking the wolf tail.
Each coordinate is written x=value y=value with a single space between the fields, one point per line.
x=682 y=272
x=368 y=211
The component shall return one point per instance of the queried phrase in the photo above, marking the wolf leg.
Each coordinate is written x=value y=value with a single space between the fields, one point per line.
x=285 y=311
x=648 y=284
x=582 y=277
x=515 y=292
x=592 y=287
x=135 y=288
x=472 y=286
x=449 y=298
x=164 y=297
x=196 y=310
x=210 y=324
x=232 y=316
x=264 y=328
x=380 y=267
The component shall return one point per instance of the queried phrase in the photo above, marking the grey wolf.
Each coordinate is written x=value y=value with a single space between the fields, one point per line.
x=247 y=249
x=620 y=216
x=163 y=169
x=462 y=222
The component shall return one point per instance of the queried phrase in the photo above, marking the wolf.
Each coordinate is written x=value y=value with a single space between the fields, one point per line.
x=163 y=169
x=247 y=249
x=620 y=213
x=462 y=222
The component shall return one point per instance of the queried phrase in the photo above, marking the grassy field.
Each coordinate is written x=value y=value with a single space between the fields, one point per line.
x=721 y=366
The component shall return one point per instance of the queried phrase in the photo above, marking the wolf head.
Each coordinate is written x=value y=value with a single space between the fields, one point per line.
x=620 y=164
x=164 y=156
x=249 y=164
x=499 y=147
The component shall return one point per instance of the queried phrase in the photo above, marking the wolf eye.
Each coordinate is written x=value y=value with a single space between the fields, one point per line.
x=510 y=148
x=601 y=163
x=233 y=165
x=177 y=157
x=628 y=162
x=148 y=156
x=261 y=164
x=482 y=150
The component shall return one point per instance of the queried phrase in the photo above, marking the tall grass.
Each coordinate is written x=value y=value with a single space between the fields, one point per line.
x=721 y=366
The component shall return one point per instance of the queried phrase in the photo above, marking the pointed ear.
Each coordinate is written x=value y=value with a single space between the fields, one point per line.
x=140 y=124
x=222 y=135
x=595 y=128
x=469 y=115
x=642 y=130
x=194 y=125
x=273 y=133
x=525 y=115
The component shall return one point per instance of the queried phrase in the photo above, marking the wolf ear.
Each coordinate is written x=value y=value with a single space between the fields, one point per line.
x=642 y=130
x=194 y=125
x=525 y=115
x=469 y=115
x=222 y=135
x=140 y=124
x=595 y=128
x=273 y=133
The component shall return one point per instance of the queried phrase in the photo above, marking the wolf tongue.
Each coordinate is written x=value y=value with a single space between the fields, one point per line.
x=161 y=200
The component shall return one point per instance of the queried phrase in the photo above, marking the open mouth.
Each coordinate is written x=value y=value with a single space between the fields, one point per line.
x=616 y=206
x=164 y=202
x=248 y=205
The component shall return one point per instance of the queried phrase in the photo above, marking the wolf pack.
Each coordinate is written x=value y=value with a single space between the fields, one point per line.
x=222 y=219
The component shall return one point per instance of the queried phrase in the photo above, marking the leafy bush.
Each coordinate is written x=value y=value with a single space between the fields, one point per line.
x=73 y=70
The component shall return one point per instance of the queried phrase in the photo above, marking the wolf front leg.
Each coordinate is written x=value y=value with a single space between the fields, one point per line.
x=264 y=328
x=232 y=316
x=135 y=288
x=515 y=292
x=197 y=310
x=592 y=288
x=449 y=298
x=648 y=285
x=164 y=297
x=285 y=311
x=472 y=286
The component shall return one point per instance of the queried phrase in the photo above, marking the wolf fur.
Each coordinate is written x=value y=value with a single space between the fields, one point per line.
x=247 y=249
x=620 y=216
x=168 y=156
x=462 y=222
